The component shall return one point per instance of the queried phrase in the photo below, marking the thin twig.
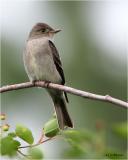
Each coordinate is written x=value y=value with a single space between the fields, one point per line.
x=41 y=138
x=27 y=156
x=70 y=90
x=37 y=144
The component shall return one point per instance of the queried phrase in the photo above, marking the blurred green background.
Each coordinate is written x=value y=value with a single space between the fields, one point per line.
x=92 y=46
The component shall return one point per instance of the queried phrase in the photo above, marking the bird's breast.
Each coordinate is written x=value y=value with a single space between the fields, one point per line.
x=39 y=61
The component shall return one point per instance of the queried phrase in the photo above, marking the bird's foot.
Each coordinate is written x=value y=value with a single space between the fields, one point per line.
x=33 y=82
x=47 y=83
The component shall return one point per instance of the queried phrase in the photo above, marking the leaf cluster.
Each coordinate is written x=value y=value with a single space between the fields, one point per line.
x=83 y=144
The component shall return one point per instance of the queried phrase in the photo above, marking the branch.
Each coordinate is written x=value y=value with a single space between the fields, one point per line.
x=24 y=155
x=37 y=144
x=70 y=90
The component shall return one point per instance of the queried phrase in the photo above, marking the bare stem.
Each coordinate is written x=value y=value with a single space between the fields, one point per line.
x=70 y=90
x=37 y=144
x=27 y=156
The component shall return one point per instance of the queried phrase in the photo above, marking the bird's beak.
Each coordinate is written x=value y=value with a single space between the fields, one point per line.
x=56 y=31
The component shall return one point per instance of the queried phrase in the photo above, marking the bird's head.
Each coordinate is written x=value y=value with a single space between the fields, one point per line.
x=43 y=30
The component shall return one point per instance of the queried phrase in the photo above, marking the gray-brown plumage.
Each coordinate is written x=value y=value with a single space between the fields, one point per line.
x=42 y=62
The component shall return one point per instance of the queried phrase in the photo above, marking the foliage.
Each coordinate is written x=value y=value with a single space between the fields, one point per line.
x=9 y=146
x=89 y=145
x=51 y=128
x=121 y=129
x=82 y=143
x=35 y=153
x=24 y=133
x=11 y=141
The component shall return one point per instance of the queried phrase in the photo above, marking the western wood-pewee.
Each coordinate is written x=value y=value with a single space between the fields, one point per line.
x=42 y=62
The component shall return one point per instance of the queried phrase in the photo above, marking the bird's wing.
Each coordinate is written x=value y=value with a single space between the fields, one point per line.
x=57 y=61
x=58 y=64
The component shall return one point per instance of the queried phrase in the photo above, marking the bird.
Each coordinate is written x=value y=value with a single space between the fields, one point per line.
x=42 y=63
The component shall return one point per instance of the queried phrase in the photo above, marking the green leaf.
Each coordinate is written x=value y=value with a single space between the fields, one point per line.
x=9 y=146
x=121 y=129
x=36 y=154
x=79 y=140
x=51 y=128
x=12 y=134
x=24 y=133
x=75 y=152
x=77 y=136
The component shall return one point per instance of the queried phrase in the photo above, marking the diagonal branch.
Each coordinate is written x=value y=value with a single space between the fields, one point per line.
x=70 y=90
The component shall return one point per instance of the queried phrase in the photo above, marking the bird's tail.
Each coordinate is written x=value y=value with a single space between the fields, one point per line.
x=62 y=113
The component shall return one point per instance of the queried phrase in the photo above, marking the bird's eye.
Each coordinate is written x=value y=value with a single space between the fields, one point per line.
x=43 y=30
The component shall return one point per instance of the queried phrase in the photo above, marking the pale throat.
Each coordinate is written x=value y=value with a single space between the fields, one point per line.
x=50 y=36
